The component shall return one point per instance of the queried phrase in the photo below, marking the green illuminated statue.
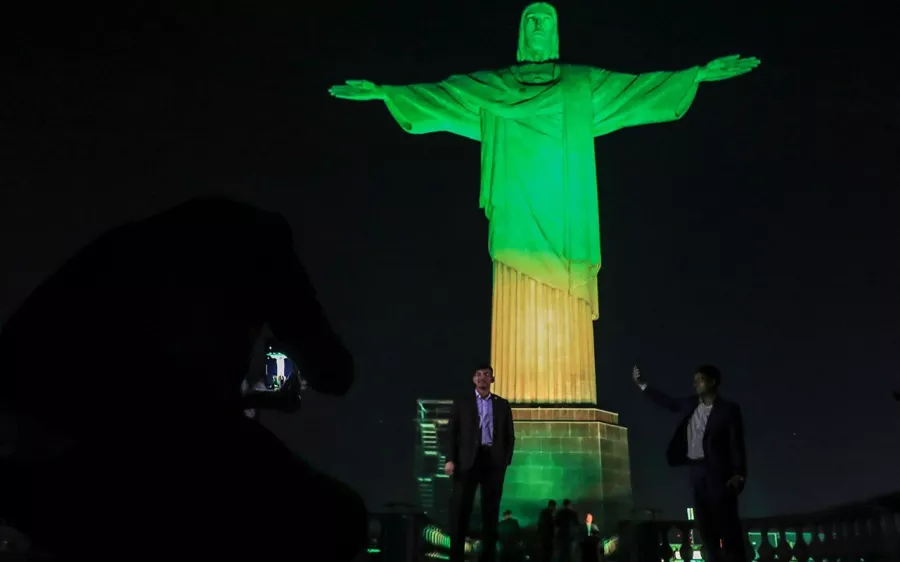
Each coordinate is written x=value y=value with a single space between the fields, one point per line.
x=536 y=122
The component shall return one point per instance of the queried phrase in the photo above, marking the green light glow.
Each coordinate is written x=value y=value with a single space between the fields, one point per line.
x=438 y=538
x=539 y=180
x=585 y=461
x=536 y=122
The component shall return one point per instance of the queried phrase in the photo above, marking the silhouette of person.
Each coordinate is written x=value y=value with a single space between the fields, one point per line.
x=12 y=541
x=546 y=531
x=567 y=526
x=509 y=535
x=137 y=431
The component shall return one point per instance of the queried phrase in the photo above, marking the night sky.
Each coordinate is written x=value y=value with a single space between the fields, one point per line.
x=759 y=233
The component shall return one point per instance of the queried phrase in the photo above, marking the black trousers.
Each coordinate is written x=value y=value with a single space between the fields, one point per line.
x=485 y=474
x=230 y=492
x=546 y=548
x=565 y=542
x=716 y=517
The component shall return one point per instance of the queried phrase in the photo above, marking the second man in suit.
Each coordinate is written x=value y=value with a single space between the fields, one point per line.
x=710 y=440
x=481 y=448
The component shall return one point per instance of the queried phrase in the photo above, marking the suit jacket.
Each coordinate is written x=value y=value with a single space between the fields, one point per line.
x=723 y=440
x=465 y=432
x=567 y=523
x=509 y=533
x=546 y=523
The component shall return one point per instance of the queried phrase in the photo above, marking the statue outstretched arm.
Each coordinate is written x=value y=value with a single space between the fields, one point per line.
x=724 y=68
x=357 y=90
x=627 y=100
x=420 y=108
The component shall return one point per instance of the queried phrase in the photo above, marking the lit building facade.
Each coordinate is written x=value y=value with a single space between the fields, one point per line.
x=432 y=432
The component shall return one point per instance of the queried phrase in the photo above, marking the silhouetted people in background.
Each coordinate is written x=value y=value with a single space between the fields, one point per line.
x=509 y=535
x=481 y=445
x=132 y=443
x=546 y=530
x=567 y=525
x=710 y=440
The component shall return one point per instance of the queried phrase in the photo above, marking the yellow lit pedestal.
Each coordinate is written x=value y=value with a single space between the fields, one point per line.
x=542 y=342
x=543 y=355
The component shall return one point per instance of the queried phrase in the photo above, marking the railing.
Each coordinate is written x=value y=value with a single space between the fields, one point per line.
x=410 y=537
x=861 y=532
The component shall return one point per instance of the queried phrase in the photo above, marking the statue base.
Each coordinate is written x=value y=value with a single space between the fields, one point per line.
x=576 y=453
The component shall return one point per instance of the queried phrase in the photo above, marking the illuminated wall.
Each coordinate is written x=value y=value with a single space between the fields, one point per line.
x=575 y=453
x=432 y=485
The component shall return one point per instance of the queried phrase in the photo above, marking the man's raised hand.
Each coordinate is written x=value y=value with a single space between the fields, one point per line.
x=638 y=378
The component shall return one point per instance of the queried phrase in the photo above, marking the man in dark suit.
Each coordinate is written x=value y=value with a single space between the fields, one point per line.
x=481 y=447
x=710 y=440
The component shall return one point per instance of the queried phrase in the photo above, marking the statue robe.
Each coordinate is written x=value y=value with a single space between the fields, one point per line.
x=539 y=192
x=538 y=171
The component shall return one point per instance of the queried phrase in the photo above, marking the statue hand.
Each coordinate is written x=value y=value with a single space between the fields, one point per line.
x=357 y=90
x=726 y=67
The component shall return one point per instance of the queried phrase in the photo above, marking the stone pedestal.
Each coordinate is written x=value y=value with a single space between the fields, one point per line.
x=575 y=453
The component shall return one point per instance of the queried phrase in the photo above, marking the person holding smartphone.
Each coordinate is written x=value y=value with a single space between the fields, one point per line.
x=710 y=440
x=170 y=308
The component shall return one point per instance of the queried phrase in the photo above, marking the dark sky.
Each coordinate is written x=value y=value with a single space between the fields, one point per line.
x=758 y=233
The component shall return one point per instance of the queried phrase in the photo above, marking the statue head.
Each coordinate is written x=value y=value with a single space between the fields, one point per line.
x=538 y=34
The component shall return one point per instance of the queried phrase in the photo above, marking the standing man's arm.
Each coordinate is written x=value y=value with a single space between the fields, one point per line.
x=511 y=431
x=453 y=448
x=659 y=398
x=738 y=450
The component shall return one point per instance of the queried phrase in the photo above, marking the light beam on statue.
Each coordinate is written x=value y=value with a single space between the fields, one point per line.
x=536 y=121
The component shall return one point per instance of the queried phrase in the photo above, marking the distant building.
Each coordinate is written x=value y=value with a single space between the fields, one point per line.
x=432 y=433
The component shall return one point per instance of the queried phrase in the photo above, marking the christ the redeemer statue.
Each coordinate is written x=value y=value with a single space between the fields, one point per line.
x=536 y=122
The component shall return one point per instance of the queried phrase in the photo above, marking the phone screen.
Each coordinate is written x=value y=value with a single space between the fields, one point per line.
x=278 y=371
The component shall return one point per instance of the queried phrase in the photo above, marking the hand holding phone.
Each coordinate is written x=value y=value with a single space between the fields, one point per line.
x=638 y=377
